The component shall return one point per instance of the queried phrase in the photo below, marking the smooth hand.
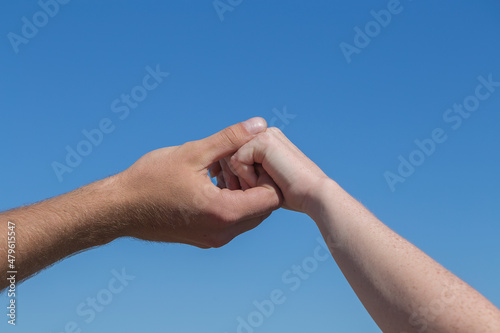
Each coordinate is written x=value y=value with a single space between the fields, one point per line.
x=271 y=152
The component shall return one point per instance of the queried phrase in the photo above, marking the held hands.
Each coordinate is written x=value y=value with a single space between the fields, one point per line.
x=271 y=152
x=171 y=198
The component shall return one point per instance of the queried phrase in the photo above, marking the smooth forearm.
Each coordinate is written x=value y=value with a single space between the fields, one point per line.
x=51 y=230
x=400 y=286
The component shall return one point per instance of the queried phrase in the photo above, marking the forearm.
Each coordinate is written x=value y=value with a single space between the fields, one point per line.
x=402 y=288
x=165 y=196
x=51 y=230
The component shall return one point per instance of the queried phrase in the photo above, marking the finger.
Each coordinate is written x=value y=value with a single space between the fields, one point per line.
x=229 y=140
x=255 y=201
x=267 y=181
x=230 y=179
x=242 y=164
x=221 y=183
x=243 y=184
x=270 y=150
x=214 y=169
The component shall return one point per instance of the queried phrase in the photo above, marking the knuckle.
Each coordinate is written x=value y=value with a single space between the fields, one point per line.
x=230 y=137
x=235 y=164
x=189 y=146
x=274 y=130
x=266 y=139
x=188 y=151
x=233 y=161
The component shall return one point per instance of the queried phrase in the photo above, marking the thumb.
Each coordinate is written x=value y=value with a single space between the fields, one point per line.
x=229 y=140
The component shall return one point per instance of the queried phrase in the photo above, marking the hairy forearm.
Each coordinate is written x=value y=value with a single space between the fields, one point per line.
x=401 y=287
x=51 y=230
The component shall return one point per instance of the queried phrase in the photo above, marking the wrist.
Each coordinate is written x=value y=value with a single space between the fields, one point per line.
x=105 y=216
x=320 y=198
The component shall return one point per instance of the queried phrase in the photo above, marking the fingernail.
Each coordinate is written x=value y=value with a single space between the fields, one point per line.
x=255 y=125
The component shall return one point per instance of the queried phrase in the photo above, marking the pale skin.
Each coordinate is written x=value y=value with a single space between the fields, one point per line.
x=403 y=289
x=167 y=196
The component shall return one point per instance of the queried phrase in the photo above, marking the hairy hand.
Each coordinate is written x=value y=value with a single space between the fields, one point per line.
x=171 y=198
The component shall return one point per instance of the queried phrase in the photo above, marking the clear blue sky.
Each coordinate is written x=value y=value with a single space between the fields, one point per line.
x=353 y=119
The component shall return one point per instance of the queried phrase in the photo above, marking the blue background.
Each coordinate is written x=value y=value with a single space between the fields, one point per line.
x=353 y=119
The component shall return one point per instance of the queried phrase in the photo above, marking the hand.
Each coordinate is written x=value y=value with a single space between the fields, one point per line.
x=172 y=198
x=396 y=282
x=295 y=174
